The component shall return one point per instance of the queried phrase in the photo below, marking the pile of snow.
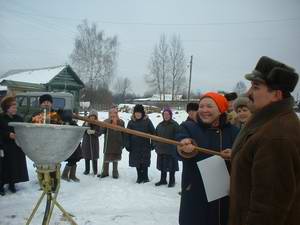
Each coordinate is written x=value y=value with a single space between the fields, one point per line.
x=101 y=201
x=157 y=97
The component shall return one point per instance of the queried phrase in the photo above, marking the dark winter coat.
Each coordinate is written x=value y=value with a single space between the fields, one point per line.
x=14 y=161
x=90 y=143
x=265 y=178
x=167 y=159
x=139 y=148
x=1 y=160
x=194 y=207
x=77 y=154
x=113 y=142
x=166 y=129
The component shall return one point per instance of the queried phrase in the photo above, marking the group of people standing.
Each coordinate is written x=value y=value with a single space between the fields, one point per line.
x=263 y=157
x=257 y=134
x=139 y=148
x=113 y=144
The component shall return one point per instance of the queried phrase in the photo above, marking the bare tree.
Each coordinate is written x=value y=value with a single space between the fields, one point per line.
x=158 y=67
x=122 y=86
x=154 y=78
x=177 y=65
x=94 y=56
x=167 y=67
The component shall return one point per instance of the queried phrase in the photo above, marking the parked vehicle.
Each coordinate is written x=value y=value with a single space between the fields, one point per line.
x=28 y=102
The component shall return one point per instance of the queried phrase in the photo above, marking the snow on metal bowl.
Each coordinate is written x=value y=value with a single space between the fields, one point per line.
x=47 y=144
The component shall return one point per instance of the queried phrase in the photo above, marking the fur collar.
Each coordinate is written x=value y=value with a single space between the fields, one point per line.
x=261 y=117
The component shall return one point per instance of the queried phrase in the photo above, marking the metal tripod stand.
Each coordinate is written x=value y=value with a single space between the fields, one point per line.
x=49 y=180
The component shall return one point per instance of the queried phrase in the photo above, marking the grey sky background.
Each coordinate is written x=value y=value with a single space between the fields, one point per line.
x=226 y=38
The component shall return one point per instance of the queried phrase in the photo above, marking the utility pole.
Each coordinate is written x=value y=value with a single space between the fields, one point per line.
x=190 y=79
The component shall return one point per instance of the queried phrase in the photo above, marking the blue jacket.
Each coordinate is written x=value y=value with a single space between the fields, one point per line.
x=194 y=208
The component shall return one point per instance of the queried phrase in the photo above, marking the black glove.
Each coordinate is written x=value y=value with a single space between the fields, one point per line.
x=66 y=115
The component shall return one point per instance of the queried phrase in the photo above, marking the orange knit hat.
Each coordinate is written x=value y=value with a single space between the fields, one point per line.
x=220 y=100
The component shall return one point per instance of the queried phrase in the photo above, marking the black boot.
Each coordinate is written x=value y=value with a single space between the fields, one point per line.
x=95 y=166
x=73 y=174
x=115 y=172
x=2 y=191
x=105 y=170
x=66 y=173
x=163 y=179
x=171 y=179
x=139 y=175
x=145 y=174
x=87 y=167
x=12 y=188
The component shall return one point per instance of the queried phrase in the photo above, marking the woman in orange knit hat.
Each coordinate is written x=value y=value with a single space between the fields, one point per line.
x=211 y=131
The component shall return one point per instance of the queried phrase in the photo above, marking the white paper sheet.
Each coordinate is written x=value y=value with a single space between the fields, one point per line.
x=215 y=177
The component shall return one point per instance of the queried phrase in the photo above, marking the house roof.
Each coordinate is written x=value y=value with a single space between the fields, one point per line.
x=23 y=85
x=35 y=76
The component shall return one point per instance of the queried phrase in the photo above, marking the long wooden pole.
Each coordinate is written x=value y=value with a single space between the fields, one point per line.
x=142 y=134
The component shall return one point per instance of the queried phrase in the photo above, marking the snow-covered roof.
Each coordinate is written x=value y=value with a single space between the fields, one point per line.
x=35 y=76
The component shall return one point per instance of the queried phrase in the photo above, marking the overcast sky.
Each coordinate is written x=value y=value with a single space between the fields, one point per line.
x=226 y=38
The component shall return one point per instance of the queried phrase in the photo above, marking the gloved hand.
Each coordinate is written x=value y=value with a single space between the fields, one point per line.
x=65 y=115
x=90 y=131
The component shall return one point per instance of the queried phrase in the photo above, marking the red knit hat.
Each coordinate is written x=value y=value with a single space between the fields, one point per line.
x=220 y=100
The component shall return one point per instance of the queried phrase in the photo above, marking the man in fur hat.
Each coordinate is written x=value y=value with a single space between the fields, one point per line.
x=192 y=111
x=45 y=102
x=231 y=114
x=58 y=117
x=265 y=174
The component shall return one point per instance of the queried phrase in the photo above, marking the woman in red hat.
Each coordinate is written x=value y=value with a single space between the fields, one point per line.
x=212 y=131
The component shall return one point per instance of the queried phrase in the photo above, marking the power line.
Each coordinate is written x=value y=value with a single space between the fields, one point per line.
x=295 y=19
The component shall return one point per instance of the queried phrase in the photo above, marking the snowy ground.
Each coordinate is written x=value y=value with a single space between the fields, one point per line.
x=101 y=201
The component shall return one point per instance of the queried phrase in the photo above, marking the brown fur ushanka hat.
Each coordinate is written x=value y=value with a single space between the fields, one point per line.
x=275 y=74
x=6 y=102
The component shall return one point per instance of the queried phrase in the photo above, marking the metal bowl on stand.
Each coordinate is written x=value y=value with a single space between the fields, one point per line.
x=47 y=145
